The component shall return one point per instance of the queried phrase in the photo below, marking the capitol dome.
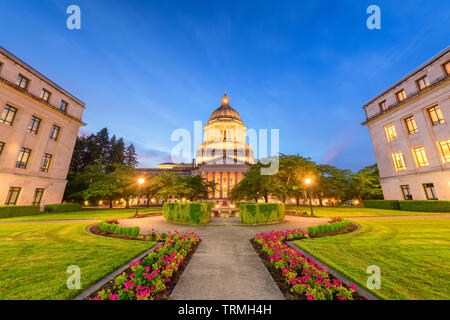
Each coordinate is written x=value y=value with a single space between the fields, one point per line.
x=225 y=112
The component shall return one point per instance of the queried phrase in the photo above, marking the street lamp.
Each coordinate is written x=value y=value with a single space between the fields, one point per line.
x=140 y=182
x=308 y=182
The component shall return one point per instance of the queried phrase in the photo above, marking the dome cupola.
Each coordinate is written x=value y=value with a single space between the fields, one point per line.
x=225 y=112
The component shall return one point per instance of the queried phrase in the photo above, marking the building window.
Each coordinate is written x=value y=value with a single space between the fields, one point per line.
x=391 y=134
x=38 y=193
x=54 y=133
x=8 y=115
x=401 y=95
x=436 y=116
x=382 y=105
x=63 y=106
x=22 y=159
x=22 y=82
x=447 y=67
x=399 y=162
x=45 y=95
x=406 y=192
x=420 y=156
x=429 y=191
x=46 y=159
x=34 y=125
x=411 y=125
x=423 y=83
x=445 y=150
x=2 y=145
x=13 y=195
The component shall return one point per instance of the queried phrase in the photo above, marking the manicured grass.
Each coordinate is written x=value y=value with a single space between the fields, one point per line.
x=34 y=258
x=85 y=214
x=359 y=212
x=413 y=256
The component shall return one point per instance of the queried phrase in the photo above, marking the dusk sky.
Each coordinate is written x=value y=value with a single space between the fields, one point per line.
x=306 y=68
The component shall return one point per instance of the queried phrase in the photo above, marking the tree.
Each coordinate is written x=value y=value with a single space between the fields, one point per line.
x=254 y=185
x=151 y=187
x=118 y=152
x=131 y=156
x=172 y=186
x=366 y=183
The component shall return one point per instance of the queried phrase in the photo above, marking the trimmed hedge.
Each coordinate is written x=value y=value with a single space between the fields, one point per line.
x=64 y=207
x=189 y=212
x=382 y=204
x=425 y=205
x=328 y=227
x=18 y=211
x=111 y=227
x=253 y=213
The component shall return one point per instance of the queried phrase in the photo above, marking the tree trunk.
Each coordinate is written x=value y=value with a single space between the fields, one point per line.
x=127 y=202
x=298 y=201
x=110 y=203
x=266 y=198
x=148 y=200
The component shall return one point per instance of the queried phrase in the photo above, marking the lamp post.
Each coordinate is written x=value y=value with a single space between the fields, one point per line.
x=140 y=182
x=308 y=190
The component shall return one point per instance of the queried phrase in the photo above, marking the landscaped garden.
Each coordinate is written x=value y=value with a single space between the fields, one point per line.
x=34 y=258
x=412 y=254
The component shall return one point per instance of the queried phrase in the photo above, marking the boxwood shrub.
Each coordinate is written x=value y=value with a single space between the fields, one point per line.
x=112 y=227
x=328 y=227
x=382 y=204
x=18 y=211
x=64 y=207
x=253 y=213
x=425 y=205
x=189 y=212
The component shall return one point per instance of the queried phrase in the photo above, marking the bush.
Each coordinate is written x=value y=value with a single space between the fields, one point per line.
x=425 y=205
x=112 y=227
x=18 y=211
x=190 y=212
x=252 y=213
x=382 y=204
x=64 y=207
x=328 y=227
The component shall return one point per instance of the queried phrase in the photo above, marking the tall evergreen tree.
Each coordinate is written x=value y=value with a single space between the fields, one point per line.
x=131 y=156
x=118 y=152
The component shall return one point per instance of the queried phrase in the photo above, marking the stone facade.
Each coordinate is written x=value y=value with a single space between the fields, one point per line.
x=410 y=132
x=49 y=138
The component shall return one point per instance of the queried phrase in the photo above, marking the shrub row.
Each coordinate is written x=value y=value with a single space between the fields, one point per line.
x=18 y=211
x=189 y=212
x=410 y=205
x=62 y=207
x=253 y=213
x=112 y=227
x=328 y=227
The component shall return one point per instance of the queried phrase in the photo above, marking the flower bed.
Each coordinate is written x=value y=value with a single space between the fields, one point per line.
x=298 y=276
x=147 y=214
x=298 y=213
x=153 y=277
x=112 y=226
x=336 y=225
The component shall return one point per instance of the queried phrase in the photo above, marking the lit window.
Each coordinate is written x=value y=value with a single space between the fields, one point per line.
x=411 y=125
x=22 y=159
x=423 y=82
x=63 y=106
x=436 y=116
x=38 y=193
x=391 y=134
x=399 y=162
x=406 y=192
x=445 y=150
x=45 y=95
x=447 y=67
x=22 y=82
x=429 y=191
x=34 y=125
x=8 y=115
x=13 y=195
x=401 y=95
x=2 y=145
x=54 y=133
x=46 y=159
x=420 y=156
x=382 y=105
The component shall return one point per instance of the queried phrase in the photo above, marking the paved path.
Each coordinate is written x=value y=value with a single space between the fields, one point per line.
x=225 y=265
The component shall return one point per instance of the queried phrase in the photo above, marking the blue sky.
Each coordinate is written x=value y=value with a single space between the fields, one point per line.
x=147 y=68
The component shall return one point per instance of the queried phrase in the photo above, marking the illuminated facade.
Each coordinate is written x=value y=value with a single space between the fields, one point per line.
x=410 y=131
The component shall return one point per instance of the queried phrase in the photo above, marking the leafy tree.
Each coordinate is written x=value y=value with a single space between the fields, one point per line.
x=195 y=187
x=131 y=156
x=366 y=183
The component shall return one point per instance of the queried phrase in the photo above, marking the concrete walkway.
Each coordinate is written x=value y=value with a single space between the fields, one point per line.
x=225 y=265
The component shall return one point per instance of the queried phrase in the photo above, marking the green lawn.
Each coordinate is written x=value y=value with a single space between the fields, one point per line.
x=85 y=214
x=413 y=255
x=34 y=258
x=360 y=212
